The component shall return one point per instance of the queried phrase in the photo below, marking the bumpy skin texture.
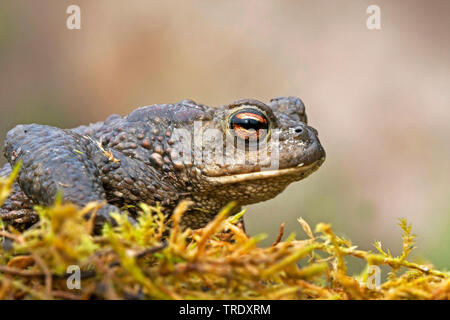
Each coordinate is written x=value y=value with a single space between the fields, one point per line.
x=142 y=157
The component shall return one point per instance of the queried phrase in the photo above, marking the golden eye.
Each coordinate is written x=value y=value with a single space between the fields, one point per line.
x=249 y=124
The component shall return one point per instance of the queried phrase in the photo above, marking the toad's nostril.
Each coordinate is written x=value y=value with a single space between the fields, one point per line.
x=299 y=130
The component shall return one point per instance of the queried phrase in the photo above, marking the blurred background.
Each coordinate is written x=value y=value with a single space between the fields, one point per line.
x=380 y=99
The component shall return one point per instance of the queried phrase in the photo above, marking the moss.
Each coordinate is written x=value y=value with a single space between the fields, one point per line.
x=156 y=259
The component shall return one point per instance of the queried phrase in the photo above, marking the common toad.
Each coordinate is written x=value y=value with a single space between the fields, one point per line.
x=246 y=151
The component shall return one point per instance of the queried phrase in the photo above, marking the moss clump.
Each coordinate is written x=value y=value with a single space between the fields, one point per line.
x=153 y=260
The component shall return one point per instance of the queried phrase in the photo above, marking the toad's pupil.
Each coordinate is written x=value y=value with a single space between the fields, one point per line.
x=248 y=124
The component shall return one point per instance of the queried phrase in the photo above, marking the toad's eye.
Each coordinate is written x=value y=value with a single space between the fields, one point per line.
x=249 y=124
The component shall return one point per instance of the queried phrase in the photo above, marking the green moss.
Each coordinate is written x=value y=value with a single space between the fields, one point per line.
x=156 y=259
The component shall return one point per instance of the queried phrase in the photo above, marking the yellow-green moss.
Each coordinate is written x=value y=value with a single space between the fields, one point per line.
x=154 y=261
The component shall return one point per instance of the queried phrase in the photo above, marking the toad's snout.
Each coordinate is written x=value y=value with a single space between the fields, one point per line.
x=313 y=150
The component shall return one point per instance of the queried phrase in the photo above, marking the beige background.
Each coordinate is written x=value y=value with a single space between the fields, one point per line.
x=380 y=99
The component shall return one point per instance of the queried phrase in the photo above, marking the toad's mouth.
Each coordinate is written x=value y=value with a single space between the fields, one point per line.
x=298 y=172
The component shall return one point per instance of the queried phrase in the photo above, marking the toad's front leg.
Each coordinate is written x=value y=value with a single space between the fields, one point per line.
x=57 y=161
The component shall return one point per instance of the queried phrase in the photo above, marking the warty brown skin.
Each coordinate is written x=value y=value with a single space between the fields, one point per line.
x=140 y=157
